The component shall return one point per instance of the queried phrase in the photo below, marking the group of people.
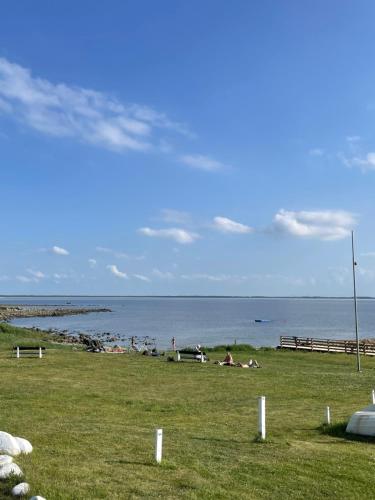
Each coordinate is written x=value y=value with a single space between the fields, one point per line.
x=228 y=361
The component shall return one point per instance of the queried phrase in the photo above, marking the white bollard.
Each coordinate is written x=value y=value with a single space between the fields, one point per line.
x=18 y=352
x=158 y=444
x=328 y=415
x=262 y=417
x=373 y=396
x=178 y=356
x=40 y=352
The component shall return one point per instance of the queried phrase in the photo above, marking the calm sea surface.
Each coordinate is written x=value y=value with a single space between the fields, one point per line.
x=208 y=321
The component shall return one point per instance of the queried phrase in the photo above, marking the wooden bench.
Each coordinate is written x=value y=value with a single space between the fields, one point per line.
x=192 y=355
x=29 y=349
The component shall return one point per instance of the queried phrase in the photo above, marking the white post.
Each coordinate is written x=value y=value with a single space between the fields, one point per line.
x=202 y=357
x=328 y=415
x=262 y=417
x=40 y=352
x=178 y=356
x=373 y=396
x=158 y=444
x=18 y=352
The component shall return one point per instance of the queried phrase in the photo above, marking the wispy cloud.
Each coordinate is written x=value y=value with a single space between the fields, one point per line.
x=175 y=216
x=325 y=225
x=116 y=272
x=163 y=274
x=116 y=253
x=225 y=225
x=202 y=162
x=214 y=277
x=179 y=235
x=83 y=114
x=368 y=254
x=26 y=279
x=142 y=277
x=316 y=152
x=92 y=263
x=353 y=138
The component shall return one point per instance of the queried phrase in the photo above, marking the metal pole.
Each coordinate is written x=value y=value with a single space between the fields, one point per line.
x=355 y=306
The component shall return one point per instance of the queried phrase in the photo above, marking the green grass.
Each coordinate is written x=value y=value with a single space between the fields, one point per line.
x=91 y=420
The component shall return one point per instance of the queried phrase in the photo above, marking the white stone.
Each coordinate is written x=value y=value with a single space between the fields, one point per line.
x=363 y=422
x=8 y=470
x=37 y=498
x=8 y=444
x=21 y=489
x=5 y=459
x=24 y=444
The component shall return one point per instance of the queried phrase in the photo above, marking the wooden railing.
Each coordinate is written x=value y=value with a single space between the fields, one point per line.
x=327 y=345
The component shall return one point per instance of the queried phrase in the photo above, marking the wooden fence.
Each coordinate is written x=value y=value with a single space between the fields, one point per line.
x=327 y=345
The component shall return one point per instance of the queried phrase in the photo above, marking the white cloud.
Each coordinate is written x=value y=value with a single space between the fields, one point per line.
x=36 y=274
x=163 y=275
x=181 y=236
x=175 y=216
x=226 y=225
x=365 y=162
x=316 y=152
x=142 y=277
x=86 y=115
x=202 y=162
x=325 y=225
x=116 y=272
x=92 y=263
x=59 y=251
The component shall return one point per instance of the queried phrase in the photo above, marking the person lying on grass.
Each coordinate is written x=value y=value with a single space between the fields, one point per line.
x=253 y=363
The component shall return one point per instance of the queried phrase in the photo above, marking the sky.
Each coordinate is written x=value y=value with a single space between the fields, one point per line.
x=187 y=148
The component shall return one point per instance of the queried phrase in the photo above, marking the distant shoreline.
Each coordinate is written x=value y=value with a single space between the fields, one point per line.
x=308 y=297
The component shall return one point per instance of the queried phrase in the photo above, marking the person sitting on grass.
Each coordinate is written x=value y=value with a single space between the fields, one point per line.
x=228 y=360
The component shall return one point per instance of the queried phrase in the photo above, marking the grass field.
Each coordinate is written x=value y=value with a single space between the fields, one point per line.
x=91 y=420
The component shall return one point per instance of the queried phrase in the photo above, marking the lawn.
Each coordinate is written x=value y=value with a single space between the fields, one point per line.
x=91 y=419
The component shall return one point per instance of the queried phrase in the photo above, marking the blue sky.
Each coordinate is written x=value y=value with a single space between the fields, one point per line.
x=187 y=147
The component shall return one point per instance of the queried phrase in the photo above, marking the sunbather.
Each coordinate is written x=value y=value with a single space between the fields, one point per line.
x=228 y=360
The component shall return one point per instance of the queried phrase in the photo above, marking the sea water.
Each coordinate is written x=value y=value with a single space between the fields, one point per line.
x=207 y=321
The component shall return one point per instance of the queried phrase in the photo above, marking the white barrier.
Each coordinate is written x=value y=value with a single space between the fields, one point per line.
x=262 y=417
x=328 y=415
x=158 y=445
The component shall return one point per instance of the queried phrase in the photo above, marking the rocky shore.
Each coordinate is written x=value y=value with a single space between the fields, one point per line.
x=8 y=312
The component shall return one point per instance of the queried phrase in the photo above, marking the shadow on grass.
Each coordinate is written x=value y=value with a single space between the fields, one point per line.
x=164 y=464
x=219 y=440
x=123 y=461
x=339 y=430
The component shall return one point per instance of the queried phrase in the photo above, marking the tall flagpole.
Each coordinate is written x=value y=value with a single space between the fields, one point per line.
x=355 y=306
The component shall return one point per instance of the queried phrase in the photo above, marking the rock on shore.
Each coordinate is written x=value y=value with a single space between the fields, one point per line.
x=8 y=312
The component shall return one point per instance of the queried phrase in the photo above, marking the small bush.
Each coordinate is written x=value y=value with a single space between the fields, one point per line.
x=230 y=347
